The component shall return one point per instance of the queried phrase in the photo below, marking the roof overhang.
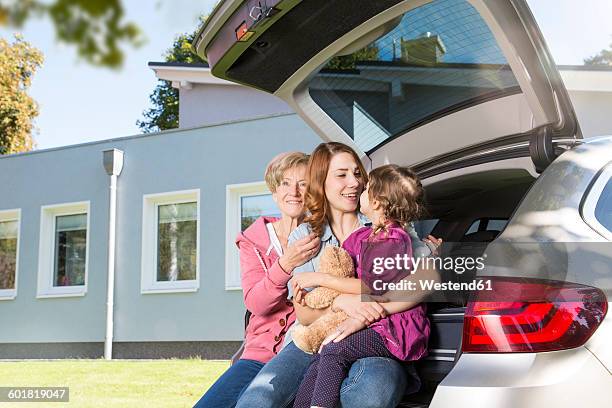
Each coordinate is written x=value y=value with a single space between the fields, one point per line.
x=185 y=75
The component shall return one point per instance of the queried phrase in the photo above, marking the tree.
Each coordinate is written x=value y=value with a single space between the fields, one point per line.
x=95 y=27
x=18 y=63
x=604 y=57
x=165 y=99
x=342 y=62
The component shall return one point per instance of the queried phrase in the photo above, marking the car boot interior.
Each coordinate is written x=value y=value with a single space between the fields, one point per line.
x=467 y=211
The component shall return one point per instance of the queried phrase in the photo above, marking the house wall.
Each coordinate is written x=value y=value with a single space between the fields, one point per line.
x=593 y=111
x=28 y=182
x=208 y=104
x=207 y=158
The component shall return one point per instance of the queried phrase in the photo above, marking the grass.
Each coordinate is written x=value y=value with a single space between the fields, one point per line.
x=118 y=383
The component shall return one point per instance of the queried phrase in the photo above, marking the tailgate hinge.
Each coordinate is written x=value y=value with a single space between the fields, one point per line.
x=541 y=148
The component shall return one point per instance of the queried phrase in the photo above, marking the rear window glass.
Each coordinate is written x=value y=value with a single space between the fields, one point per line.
x=436 y=59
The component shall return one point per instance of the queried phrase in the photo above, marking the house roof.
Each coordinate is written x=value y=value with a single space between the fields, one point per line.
x=592 y=78
x=160 y=133
x=584 y=67
x=178 y=64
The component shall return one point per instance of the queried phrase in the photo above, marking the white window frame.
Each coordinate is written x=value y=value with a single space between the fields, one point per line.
x=234 y=194
x=148 y=281
x=46 y=250
x=588 y=209
x=12 y=215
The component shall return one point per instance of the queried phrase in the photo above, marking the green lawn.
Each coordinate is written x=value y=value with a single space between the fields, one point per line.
x=120 y=383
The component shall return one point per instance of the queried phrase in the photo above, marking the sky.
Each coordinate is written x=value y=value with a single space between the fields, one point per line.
x=79 y=103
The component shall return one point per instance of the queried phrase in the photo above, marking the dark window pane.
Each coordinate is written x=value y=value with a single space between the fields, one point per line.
x=487 y=224
x=8 y=254
x=438 y=57
x=253 y=207
x=177 y=242
x=70 y=250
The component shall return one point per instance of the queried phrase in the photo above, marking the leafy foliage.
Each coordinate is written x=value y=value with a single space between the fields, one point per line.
x=18 y=63
x=177 y=251
x=604 y=57
x=343 y=62
x=8 y=260
x=165 y=99
x=95 y=27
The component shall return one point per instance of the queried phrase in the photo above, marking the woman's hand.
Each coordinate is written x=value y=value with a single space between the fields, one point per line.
x=433 y=243
x=298 y=294
x=346 y=328
x=299 y=252
x=309 y=279
x=366 y=312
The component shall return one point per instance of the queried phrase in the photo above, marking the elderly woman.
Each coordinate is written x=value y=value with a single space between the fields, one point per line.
x=266 y=263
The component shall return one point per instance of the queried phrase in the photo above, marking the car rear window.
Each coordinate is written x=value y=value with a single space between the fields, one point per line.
x=440 y=57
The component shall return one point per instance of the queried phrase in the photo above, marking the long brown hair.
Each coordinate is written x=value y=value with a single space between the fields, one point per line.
x=400 y=193
x=318 y=165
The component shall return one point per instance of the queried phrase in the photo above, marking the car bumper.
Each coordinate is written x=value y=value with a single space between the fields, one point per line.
x=568 y=378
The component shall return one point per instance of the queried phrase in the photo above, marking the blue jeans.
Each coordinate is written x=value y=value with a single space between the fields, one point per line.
x=372 y=382
x=227 y=389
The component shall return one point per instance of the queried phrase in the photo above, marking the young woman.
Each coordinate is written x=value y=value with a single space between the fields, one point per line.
x=391 y=200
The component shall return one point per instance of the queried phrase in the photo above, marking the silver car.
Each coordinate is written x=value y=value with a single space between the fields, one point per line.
x=467 y=93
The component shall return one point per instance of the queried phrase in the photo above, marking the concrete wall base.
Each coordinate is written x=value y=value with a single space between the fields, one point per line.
x=208 y=350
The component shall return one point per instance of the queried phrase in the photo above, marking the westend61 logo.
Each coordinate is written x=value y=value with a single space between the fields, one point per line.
x=404 y=265
x=389 y=266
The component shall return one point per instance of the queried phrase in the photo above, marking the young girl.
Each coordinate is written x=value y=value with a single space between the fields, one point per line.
x=391 y=199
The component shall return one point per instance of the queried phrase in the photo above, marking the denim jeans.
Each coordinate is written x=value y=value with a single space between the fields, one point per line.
x=227 y=389
x=372 y=382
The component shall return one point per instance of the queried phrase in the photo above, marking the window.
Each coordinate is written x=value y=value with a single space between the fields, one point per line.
x=63 y=250
x=244 y=204
x=597 y=209
x=424 y=227
x=435 y=59
x=170 y=242
x=9 y=252
x=487 y=224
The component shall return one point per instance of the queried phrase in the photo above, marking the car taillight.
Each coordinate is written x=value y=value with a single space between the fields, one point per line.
x=531 y=315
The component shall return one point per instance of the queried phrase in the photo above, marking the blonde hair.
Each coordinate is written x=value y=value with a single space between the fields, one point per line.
x=280 y=164
x=399 y=192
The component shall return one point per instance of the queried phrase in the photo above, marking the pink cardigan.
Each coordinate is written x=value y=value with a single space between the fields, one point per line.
x=264 y=286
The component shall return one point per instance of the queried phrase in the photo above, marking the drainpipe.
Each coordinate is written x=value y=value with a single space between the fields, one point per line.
x=113 y=164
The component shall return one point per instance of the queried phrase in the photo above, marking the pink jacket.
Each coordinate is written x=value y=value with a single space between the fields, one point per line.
x=264 y=286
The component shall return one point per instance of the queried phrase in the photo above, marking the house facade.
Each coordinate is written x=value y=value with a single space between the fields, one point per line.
x=181 y=198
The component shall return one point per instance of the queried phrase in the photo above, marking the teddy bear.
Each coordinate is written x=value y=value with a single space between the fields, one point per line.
x=334 y=261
